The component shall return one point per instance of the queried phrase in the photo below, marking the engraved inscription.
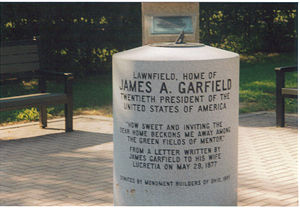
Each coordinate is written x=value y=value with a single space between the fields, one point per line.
x=172 y=24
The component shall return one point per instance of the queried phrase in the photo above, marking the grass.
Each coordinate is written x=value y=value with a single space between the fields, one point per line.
x=93 y=95
x=257 y=81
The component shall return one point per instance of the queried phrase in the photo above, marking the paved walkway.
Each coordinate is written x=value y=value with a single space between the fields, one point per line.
x=50 y=167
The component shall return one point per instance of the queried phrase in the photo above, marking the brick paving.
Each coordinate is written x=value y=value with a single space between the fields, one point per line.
x=40 y=167
x=268 y=161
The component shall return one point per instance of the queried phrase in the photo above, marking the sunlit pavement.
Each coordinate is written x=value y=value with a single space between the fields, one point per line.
x=50 y=167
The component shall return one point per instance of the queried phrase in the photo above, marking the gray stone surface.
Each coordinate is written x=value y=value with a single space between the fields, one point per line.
x=49 y=167
x=154 y=9
x=186 y=177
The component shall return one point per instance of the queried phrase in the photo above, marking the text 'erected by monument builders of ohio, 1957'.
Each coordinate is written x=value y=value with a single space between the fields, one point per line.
x=175 y=126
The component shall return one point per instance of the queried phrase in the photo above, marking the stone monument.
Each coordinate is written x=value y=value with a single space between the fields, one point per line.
x=175 y=109
x=173 y=15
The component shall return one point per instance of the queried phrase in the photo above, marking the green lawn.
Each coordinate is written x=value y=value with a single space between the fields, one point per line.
x=93 y=95
x=257 y=81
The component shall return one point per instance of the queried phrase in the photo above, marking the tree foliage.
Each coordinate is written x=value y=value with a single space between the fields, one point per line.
x=251 y=27
x=81 y=37
x=77 y=37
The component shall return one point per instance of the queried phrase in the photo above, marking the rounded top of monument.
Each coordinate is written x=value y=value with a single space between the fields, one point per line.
x=176 y=45
x=161 y=53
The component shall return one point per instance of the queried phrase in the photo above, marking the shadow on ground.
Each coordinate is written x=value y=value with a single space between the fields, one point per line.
x=64 y=168
x=266 y=119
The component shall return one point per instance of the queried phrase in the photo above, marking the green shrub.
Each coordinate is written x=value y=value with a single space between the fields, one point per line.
x=82 y=37
x=28 y=115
